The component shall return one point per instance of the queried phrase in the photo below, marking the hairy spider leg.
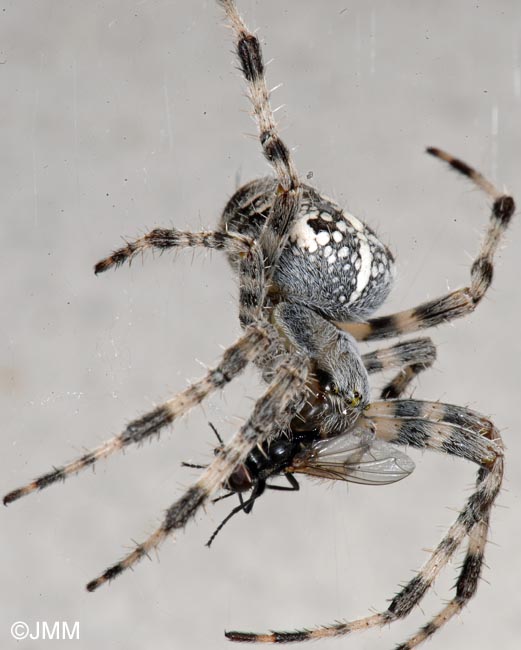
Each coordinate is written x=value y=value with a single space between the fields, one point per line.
x=462 y=301
x=471 y=523
x=257 y=340
x=413 y=357
x=277 y=405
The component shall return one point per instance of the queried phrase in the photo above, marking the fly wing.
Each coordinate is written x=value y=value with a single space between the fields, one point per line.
x=356 y=457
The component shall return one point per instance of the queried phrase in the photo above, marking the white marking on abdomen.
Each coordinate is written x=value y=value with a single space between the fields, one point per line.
x=304 y=236
x=356 y=223
x=363 y=275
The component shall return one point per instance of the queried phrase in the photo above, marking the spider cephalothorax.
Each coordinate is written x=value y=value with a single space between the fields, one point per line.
x=310 y=277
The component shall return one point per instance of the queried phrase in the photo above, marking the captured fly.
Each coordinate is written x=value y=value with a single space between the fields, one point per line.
x=357 y=457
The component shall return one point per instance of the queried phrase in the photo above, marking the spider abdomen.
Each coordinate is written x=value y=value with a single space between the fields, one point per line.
x=333 y=263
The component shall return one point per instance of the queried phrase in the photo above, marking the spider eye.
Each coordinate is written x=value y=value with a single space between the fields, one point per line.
x=355 y=400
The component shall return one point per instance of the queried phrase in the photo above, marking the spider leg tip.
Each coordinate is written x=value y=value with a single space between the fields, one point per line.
x=244 y=637
x=97 y=582
x=12 y=496
x=102 y=266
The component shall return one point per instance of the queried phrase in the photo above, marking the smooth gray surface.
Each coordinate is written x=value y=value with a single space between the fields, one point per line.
x=118 y=116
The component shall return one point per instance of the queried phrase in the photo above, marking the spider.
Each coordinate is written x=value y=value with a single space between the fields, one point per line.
x=310 y=277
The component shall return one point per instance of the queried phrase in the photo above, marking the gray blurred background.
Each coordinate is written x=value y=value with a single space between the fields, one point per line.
x=119 y=116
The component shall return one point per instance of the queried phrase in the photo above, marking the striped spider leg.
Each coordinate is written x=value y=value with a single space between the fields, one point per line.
x=256 y=341
x=412 y=357
x=453 y=430
x=462 y=301
x=277 y=404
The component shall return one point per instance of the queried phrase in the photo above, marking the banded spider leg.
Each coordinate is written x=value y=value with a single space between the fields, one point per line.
x=456 y=431
x=462 y=301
